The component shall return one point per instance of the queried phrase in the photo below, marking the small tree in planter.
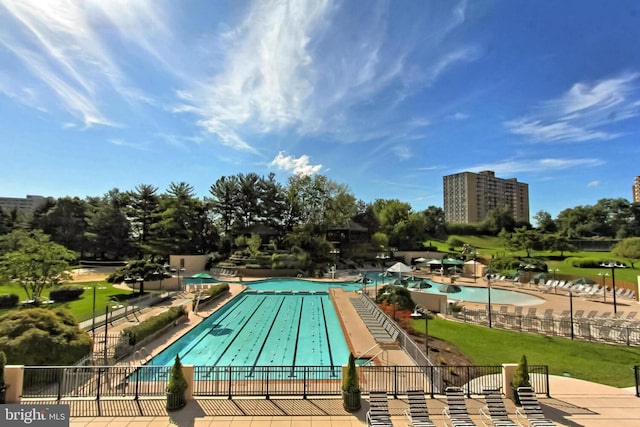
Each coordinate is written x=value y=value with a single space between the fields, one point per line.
x=177 y=386
x=3 y=385
x=351 y=387
x=520 y=378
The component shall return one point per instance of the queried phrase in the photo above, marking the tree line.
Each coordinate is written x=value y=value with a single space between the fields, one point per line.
x=146 y=223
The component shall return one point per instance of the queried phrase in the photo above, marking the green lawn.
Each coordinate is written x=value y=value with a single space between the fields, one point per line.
x=82 y=309
x=600 y=363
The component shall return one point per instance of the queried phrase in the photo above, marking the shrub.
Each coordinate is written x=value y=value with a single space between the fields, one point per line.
x=350 y=382
x=148 y=327
x=177 y=381
x=39 y=336
x=66 y=293
x=9 y=300
x=216 y=290
x=587 y=262
x=521 y=374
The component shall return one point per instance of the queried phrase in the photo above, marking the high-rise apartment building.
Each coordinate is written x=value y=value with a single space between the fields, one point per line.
x=636 y=190
x=8 y=204
x=468 y=196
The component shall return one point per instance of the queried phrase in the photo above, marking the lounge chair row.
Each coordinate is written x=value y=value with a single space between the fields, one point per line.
x=382 y=329
x=456 y=413
x=224 y=272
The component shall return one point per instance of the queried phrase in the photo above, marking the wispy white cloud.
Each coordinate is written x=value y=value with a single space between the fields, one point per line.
x=593 y=184
x=301 y=67
x=535 y=165
x=142 y=146
x=401 y=151
x=62 y=46
x=297 y=166
x=583 y=112
x=458 y=116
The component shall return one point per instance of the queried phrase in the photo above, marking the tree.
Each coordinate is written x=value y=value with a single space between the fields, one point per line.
x=65 y=221
x=35 y=262
x=109 y=229
x=435 y=224
x=498 y=219
x=143 y=205
x=544 y=222
x=628 y=248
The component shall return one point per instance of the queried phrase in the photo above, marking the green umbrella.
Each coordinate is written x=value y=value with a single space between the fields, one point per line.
x=447 y=288
x=583 y=281
x=540 y=276
x=202 y=276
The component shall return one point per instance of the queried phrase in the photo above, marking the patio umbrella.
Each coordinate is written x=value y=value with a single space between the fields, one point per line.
x=452 y=261
x=424 y=285
x=448 y=288
x=490 y=271
x=202 y=276
x=421 y=259
x=583 y=281
x=540 y=276
x=454 y=269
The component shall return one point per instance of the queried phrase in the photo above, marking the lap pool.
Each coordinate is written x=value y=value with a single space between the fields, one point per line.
x=265 y=328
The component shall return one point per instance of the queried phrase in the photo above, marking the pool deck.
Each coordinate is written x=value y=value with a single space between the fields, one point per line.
x=572 y=403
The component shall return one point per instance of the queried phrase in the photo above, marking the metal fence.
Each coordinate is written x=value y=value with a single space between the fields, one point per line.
x=636 y=371
x=609 y=330
x=132 y=382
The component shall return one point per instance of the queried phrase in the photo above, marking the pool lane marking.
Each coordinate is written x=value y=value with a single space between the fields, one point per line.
x=326 y=330
x=295 y=351
x=246 y=322
x=264 y=342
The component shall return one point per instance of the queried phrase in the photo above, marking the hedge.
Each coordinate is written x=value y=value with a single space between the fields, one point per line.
x=66 y=293
x=216 y=290
x=9 y=300
x=588 y=262
x=152 y=325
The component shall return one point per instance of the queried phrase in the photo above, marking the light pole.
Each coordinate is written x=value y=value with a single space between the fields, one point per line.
x=418 y=314
x=93 y=317
x=336 y=254
x=604 y=284
x=613 y=266
x=571 y=311
x=489 y=298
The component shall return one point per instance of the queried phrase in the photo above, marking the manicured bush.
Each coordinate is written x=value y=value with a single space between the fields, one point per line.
x=148 y=327
x=66 y=293
x=589 y=262
x=9 y=300
x=39 y=336
x=216 y=290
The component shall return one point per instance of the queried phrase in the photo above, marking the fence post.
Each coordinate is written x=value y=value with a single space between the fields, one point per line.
x=468 y=375
x=304 y=382
x=229 y=369
x=267 y=385
x=431 y=386
x=395 y=382
x=60 y=380
x=137 y=388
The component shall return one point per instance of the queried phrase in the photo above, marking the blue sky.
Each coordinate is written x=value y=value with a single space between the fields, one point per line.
x=384 y=96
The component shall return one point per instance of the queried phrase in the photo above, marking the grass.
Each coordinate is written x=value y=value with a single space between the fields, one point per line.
x=81 y=309
x=596 y=362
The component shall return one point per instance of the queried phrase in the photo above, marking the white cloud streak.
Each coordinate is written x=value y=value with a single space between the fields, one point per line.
x=536 y=165
x=296 y=166
x=583 y=112
x=299 y=66
x=62 y=46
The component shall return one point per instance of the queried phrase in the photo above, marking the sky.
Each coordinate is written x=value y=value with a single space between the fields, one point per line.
x=386 y=97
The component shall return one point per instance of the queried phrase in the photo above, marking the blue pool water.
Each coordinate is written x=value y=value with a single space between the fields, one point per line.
x=287 y=284
x=265 y=328
x=471 y=293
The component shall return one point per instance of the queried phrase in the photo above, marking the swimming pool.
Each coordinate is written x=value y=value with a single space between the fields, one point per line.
x=470 y=293
x=287 y=284
x=273 y=328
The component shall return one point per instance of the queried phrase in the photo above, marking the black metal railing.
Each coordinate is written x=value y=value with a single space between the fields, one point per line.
x=609 y=330
x=132 y=382
x=636 y=371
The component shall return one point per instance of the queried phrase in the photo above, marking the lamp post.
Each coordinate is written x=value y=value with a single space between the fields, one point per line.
x=93 y=317
x=418 y=314
x=106 y=329
x=613 y=266
x=604 y=287
x=336 y=254
x=571 y=311
x=489 y=298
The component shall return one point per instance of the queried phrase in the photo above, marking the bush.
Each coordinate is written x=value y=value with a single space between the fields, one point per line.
x=39 y=336
x=587 y=262
x=521 y=374
x=9 y=300
x=148 y=327
x=66 y=293
x=216 y=290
